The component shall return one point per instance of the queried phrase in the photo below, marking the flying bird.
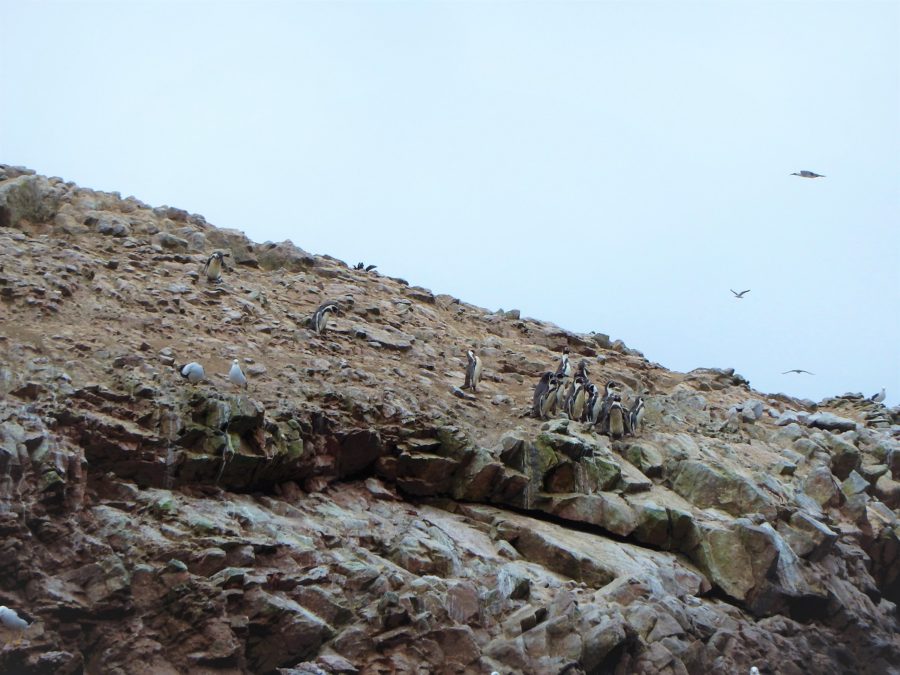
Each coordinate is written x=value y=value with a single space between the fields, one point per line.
x=808 y=174
x=798 y=371
x=740 y=295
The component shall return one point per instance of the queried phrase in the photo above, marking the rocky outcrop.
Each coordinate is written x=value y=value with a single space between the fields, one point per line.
x=350 y=512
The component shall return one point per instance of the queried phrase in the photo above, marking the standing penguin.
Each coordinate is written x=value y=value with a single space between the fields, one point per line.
x=616 y=420
x=575 y=402
x=563 y=373
x=636 y=415
x=236 y=375
x=213 y=267
x=602 y=402
x=593 y=401
x=320 y=317
x=565 y=367
x=550 y=401
x=540 y=392
x=473 y=371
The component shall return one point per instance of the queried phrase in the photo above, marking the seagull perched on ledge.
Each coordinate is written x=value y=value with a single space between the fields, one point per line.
x=808 y=174
x=879 y=397
x=11 y=621
x=740 y=295
x=798 y=371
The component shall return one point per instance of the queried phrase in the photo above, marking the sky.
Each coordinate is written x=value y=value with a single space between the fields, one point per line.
x=609 y=166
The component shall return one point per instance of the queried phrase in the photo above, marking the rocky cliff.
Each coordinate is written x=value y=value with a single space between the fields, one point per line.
x=355 y=511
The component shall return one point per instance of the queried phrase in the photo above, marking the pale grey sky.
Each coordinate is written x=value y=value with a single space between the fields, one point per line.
x=609 y=166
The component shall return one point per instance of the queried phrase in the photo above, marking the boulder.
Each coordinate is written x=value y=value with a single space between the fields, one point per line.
x=284 y=256
x=707 y=486
x=830 y=422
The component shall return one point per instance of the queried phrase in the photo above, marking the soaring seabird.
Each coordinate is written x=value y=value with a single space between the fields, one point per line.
x=798 y=371
x=740 y=295
x=808 y=174
x=192 y=372
x=236 y=375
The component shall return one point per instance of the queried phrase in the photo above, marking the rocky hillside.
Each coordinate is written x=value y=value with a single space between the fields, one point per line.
x=355 y=511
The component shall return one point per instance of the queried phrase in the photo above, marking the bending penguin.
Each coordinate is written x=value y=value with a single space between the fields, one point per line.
x=213 y=267
x=473 y=371
x=320 y=317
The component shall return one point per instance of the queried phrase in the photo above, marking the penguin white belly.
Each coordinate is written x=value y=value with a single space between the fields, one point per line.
x=214 y=269
x=616 y=423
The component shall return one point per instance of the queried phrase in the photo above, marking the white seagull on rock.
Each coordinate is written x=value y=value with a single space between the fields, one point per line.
x=236 y=375
x=879 y=397
x=11 y=621
x=192 y=372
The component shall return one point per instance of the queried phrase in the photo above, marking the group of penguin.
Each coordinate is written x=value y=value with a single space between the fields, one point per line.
x=570 y=390
x=577 y=396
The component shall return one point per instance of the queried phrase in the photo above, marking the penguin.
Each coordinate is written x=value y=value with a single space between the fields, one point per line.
x=473 y=371
x=617 y=420
x=565 y=367
x=592 y=404
x=320 y=317
x=582 y=369
x=576 y=400
x=636 y=415
x=601 y=404
x=236 y=375
x=540 y=391
x=549 y=401
x=213 y=267
x=192 y=372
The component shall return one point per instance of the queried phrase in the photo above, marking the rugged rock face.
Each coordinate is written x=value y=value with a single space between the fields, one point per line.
x=355 y=511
